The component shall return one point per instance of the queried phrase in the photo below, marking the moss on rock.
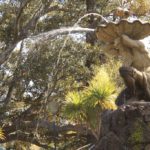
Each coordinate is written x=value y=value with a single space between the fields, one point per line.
x=136 y=137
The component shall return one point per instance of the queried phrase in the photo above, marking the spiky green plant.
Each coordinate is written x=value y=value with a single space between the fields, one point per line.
x=87 y=105
x=101 y=91
x=73 y=107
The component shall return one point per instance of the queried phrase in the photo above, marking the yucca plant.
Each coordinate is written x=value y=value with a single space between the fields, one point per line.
x=73 y=106
x=99 y=96
x=101 y=91
x=87 y=105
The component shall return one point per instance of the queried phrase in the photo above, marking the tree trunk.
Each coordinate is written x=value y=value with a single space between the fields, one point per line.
x=91 y=8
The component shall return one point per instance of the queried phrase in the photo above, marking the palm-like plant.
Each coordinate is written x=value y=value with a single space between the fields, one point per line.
x=101 y=91
x=99 y=96
x=87 y=105
x=73 y=107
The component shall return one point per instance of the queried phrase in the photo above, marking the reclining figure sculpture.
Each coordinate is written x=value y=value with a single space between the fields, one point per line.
x=122 y=39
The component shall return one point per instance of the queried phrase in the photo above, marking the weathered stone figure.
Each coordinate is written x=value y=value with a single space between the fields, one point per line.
x=136 y=67
x=136 y=61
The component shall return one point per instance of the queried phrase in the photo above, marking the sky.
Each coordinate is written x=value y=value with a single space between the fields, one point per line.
x=146 y=42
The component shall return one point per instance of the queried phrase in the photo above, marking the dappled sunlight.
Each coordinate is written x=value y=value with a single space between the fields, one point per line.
x=57 y=85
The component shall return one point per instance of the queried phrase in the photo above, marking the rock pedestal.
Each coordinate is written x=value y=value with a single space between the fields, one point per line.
x=127 y=128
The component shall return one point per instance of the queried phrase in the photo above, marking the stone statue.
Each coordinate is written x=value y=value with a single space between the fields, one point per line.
x=122 y=39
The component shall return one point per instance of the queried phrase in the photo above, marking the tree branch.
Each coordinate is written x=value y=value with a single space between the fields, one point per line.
x=6 y=53
x=24 y=131
x=25 y=138
x=19 y=13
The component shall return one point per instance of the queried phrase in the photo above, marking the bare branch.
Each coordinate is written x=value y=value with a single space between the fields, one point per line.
x=12 y=84
x=6 y=53
x=17 y=131
x=25 y=138
x=19 y=13
x=43 y=9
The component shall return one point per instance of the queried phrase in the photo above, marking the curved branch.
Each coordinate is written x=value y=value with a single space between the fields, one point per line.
x=18 y=17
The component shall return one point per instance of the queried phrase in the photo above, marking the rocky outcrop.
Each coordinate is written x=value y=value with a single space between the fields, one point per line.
x=127 y=128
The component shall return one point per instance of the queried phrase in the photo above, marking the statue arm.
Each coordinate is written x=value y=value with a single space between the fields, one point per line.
x=110 y=49
x=128 y=42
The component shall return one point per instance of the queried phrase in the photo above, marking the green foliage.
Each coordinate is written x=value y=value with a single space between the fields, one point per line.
x=73 y=108
x=101 y=88
x=137 y=134
x=87 y=105
x=53 y=67
x=140 y=7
